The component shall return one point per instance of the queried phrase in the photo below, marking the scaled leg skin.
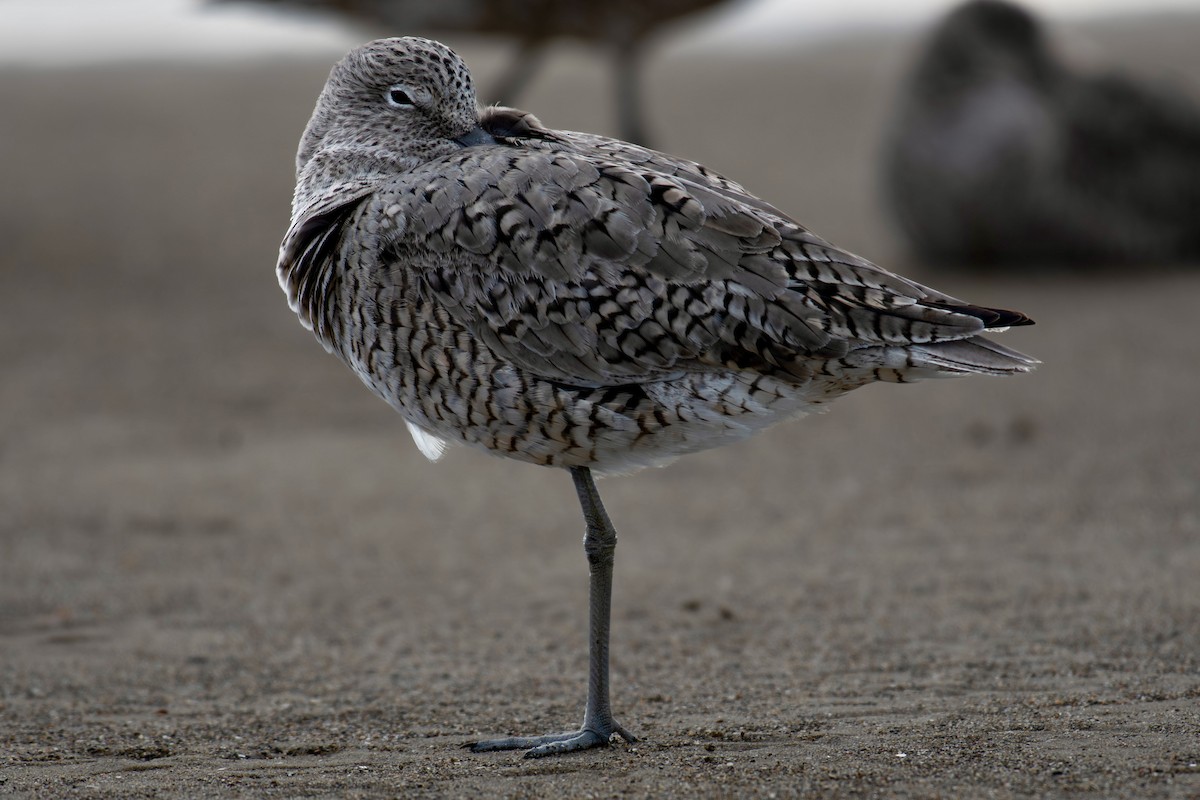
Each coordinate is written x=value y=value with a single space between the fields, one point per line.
x=598 y=724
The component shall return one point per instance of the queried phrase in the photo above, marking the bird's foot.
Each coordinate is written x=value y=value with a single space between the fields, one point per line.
x=555 y=743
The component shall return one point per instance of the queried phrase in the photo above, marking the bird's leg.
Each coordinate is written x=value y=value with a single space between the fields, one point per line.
x=628 y=68
x=520 y=70
x=598 y=724
x=599 y=544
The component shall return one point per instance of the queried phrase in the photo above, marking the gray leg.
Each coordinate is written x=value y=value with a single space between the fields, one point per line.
x=598 y=724
x=628 y=66
x=520 y=71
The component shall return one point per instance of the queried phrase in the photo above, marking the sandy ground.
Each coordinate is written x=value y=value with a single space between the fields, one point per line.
x=225 y=571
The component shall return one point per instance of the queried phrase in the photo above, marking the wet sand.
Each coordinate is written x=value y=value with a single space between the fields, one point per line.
x=226 y=571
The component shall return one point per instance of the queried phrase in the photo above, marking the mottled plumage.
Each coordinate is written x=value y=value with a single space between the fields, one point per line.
x=569 y=300
x=1000 y=152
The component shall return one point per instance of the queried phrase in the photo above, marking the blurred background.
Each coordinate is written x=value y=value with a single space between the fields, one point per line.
x=721 y=82
x=200 y=508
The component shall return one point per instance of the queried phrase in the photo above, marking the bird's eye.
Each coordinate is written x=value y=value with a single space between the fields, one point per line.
x=400 y=98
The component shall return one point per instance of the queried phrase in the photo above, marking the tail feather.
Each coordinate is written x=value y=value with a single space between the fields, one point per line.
x=974 y=355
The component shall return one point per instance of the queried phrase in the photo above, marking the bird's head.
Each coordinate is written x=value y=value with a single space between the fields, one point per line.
x=983 y=39
x=390 y=104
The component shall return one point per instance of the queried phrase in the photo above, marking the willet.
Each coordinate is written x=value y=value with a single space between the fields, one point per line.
x=574 y=301
x=1000 y=152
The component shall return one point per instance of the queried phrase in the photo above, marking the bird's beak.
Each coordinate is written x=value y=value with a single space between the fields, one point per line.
x=474 y=137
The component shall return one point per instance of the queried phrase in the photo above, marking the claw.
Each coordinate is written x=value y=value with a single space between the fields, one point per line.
x=554 y=743
x=584 y=740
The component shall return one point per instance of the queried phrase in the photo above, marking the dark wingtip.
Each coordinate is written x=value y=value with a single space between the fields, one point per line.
x=1009 y=318
x=1005 y=318
x=992 y=317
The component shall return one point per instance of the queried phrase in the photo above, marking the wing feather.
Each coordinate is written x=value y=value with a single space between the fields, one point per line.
x=592 y=262
x=308 y=256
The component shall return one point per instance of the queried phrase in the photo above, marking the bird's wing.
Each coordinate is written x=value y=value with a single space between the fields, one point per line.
x=591 y=270
x=308 y=256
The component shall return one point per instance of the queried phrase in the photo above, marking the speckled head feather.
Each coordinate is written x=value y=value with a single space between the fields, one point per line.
x=398 y=101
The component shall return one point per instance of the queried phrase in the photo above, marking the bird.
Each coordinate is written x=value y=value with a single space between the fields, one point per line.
x=574 y=301
x=1001 y=153
x=621 y=27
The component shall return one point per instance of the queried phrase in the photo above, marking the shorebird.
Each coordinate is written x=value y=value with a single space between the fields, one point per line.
x=999 y=152
x=574 y=301
x=622 y=27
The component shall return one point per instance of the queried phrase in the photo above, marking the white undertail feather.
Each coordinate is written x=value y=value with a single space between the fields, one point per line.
x=430 y=446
